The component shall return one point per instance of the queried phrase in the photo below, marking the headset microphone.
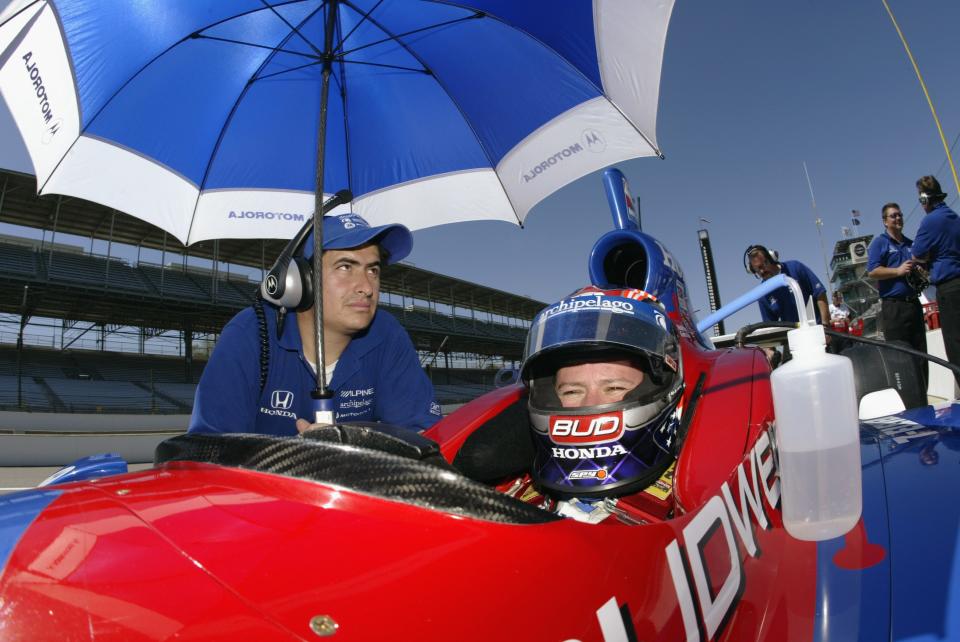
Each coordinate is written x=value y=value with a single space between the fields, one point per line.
x=289 y=283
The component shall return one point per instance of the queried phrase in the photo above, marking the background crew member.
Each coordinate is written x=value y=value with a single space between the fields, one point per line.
x=938 y=245
x=371 y=363
x=779 y=305
x=840 y=317
x=889 y=260
x=839 y=312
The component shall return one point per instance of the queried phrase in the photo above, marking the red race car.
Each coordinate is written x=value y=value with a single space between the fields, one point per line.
x=370 y=533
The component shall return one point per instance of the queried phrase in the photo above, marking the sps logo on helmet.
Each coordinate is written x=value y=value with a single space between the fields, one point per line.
x=590 y=429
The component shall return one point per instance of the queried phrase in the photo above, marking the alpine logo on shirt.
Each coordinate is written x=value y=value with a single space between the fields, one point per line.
x=356 y=402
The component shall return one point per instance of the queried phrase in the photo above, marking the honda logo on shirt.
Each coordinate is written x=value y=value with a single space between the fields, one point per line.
x=281 y=399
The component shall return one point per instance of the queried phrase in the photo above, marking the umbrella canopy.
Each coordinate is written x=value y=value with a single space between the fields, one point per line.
x=202 y=116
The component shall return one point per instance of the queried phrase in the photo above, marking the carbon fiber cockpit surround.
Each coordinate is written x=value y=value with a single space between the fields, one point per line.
x=364 y=470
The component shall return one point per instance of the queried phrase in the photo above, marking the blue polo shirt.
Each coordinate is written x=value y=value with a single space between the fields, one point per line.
x=377 y=378
x=779 y=304
x=886 y=252
x=938 y=240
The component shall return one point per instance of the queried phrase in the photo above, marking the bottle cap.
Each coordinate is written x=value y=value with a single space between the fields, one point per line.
x=807 y=338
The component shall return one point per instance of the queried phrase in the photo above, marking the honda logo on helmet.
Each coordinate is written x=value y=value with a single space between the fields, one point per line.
x=281 y=399
x=590 y=429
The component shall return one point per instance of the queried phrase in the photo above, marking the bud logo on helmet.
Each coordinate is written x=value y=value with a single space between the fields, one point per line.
x=590 y=429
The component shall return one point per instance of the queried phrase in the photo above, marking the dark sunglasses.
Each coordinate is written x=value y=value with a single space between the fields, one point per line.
x=895 y=215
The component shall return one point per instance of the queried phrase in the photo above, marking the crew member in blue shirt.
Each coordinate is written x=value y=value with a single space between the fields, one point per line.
x=937 y=244
x=260 y=376
x=779 y=305
x=889 y=261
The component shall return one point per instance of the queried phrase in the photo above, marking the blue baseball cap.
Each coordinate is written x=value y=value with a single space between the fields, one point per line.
x=346 y=231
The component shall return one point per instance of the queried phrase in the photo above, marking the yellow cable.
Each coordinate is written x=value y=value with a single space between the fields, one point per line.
x=923 y=85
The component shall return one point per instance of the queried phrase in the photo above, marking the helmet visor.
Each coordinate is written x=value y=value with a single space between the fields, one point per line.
x=614 y=323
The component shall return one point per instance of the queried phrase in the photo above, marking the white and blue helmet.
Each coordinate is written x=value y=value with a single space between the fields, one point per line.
x=615 y=448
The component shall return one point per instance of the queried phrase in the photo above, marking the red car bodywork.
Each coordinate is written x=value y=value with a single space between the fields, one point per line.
x=199 y=551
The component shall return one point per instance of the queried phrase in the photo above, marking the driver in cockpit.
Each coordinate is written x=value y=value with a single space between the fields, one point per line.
x=605 y=378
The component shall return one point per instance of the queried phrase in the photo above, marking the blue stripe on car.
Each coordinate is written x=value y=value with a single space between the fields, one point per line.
x=17 y=512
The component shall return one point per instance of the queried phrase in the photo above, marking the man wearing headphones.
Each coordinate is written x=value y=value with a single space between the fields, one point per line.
x=260 y=375
x=779 y=304
x=938 y=245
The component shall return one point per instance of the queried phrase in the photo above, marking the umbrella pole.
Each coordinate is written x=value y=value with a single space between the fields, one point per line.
x=322 y=397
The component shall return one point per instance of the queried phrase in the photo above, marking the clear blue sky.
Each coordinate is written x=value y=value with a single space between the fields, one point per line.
x=750 y=90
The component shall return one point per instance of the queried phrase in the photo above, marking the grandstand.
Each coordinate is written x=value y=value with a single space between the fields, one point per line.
x=83 y=331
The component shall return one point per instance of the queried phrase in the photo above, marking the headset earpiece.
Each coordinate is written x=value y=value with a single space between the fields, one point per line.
x=289 y=284
x=304 y=277
x=746 y=257
x=274 y=285
x=927 y=198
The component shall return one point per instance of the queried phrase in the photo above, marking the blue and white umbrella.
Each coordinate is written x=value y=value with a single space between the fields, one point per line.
x=202 y=116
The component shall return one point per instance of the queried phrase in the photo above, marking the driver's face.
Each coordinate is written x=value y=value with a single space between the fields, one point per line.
x=592 y=384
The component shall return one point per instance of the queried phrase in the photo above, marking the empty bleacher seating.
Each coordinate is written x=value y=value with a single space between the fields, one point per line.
x=181 y=392
x=238 y=292
x=114 y=366
x=173 y=282
x=17 y=259
x=106 y=396
x=92 y=270
x=436 y=322
x=458 y=393
x=8 y=361
x=40 y=363
x=30 y=397
x=226 y=290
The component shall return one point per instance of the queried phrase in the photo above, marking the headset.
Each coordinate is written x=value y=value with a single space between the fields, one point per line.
x=926 y=199
x=770 y=256
x=289 y=283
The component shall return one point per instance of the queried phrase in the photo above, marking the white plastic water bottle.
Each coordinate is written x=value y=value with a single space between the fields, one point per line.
x=818 y=438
